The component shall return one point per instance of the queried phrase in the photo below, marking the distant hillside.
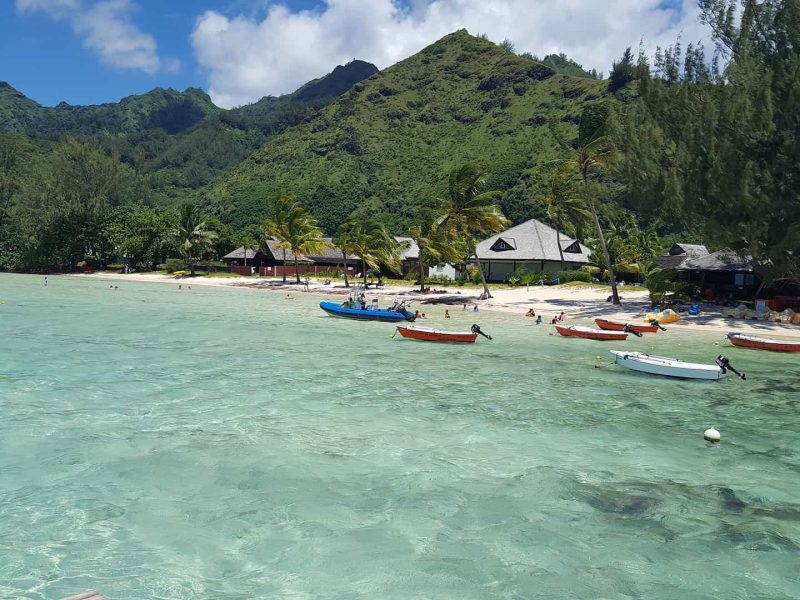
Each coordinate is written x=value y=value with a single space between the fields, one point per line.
x=168 y=109
x=179 y=141
x=385 y=146
x=560 y=63
x=336 y=83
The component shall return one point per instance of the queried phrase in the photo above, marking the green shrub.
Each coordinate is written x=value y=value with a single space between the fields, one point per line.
x=174 y=264
x=541 y=277
x=439 y=279
x=591 y=270
x=565 y=276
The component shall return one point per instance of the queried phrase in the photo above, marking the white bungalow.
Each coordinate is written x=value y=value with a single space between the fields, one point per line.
x=532 y=246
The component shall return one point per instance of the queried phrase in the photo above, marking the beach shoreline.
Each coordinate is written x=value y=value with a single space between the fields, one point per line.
x=580 y=305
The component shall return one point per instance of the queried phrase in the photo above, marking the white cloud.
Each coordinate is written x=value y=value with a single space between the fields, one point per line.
x=55 y=8
x=107 y=31
x=248 y=57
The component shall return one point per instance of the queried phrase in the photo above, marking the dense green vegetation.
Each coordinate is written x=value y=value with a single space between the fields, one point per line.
x=177 y=141
x=385 y=144
x=715 y=149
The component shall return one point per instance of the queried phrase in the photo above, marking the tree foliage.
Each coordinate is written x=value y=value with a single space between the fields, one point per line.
x=468 y=210
x=718 y=148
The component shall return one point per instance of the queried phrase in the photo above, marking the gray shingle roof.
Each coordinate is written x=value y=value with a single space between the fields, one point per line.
x=721 y=260
x=331 y=255
x=531 y=240
x=239 y=253
x=689 y=249
x=277 y=253
x=410 y=248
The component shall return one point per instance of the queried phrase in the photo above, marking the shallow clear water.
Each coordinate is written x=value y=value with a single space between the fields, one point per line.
x=204 y=443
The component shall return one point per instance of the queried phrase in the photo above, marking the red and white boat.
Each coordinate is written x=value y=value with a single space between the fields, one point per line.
x=589 y=333
x=759 y=343
x=429 y=334
x=617 y=326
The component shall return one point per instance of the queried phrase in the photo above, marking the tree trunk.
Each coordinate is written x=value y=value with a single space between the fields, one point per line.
x=284 y=265
x=486 y=291
x=421 y=269
x=560 y=251
x=296 y=267
x=344 y=262
x=364 y=269
x=606 y=257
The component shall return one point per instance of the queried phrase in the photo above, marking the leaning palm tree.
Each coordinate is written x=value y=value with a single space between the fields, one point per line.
x=191 y=234
x=370 y=240
x=295 y=230
x=595 y=151
x=467 y=211
x=562 y=205
x=345 y=242
x=434 y=244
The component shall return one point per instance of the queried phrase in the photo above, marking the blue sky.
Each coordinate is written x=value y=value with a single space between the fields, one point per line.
x=93 y=51
x=44 y=59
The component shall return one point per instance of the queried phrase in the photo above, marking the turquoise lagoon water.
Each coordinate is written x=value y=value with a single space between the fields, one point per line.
x=205 y=443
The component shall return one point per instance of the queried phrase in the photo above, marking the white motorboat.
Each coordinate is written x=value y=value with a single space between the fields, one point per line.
x=672 y=367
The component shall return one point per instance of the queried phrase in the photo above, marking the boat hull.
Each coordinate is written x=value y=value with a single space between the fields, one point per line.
x=667 y=367
x=427 y=334
x=616 y=326
x=361 y=314
x=590 y=334
x=757 y=343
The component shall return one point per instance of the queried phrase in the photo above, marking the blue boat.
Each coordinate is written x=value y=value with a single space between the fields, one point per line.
x=355 y=310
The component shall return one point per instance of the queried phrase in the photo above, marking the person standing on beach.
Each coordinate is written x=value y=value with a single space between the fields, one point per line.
x=446 y=313
x=45 y=281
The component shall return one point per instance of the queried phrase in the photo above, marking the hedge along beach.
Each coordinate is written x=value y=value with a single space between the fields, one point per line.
x=580 y=304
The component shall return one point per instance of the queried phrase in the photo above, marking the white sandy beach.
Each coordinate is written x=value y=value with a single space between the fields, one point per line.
x=579 y=304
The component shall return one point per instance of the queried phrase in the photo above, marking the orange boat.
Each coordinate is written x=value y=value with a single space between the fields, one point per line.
x=616 y=326
x=589 y=333
x=429 y=334
x=749 y=341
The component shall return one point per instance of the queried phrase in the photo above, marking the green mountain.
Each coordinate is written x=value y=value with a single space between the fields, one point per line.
x=178 y=141
x=385 y=147
x=169 y=110
x=560 y=63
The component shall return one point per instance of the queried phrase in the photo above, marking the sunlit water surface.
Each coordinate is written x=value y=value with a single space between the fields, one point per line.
x=205 y=443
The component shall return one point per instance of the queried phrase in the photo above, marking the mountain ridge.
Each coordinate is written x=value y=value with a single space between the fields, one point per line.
x=386 y=145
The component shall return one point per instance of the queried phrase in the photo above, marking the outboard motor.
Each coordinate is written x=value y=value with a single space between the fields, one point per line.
x=655 y=323
x=725 y=365
x=409 y=316
x=627 y=329
x=477 y=329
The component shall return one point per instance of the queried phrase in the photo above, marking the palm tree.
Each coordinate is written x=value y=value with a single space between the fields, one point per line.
x=370 y=240
x=296 y=230
x=595 y=151
x=191 y=234
x=562 y=205
x=344 y=240
x=468 y=211
x=434 y=244
x=247 y=242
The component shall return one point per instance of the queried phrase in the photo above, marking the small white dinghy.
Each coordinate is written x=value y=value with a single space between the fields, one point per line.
x=672 y=367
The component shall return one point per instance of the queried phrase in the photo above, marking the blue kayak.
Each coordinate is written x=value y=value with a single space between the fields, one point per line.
x=367 y=314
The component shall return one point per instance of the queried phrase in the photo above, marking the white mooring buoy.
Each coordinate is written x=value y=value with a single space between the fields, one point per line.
x=711 y=435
